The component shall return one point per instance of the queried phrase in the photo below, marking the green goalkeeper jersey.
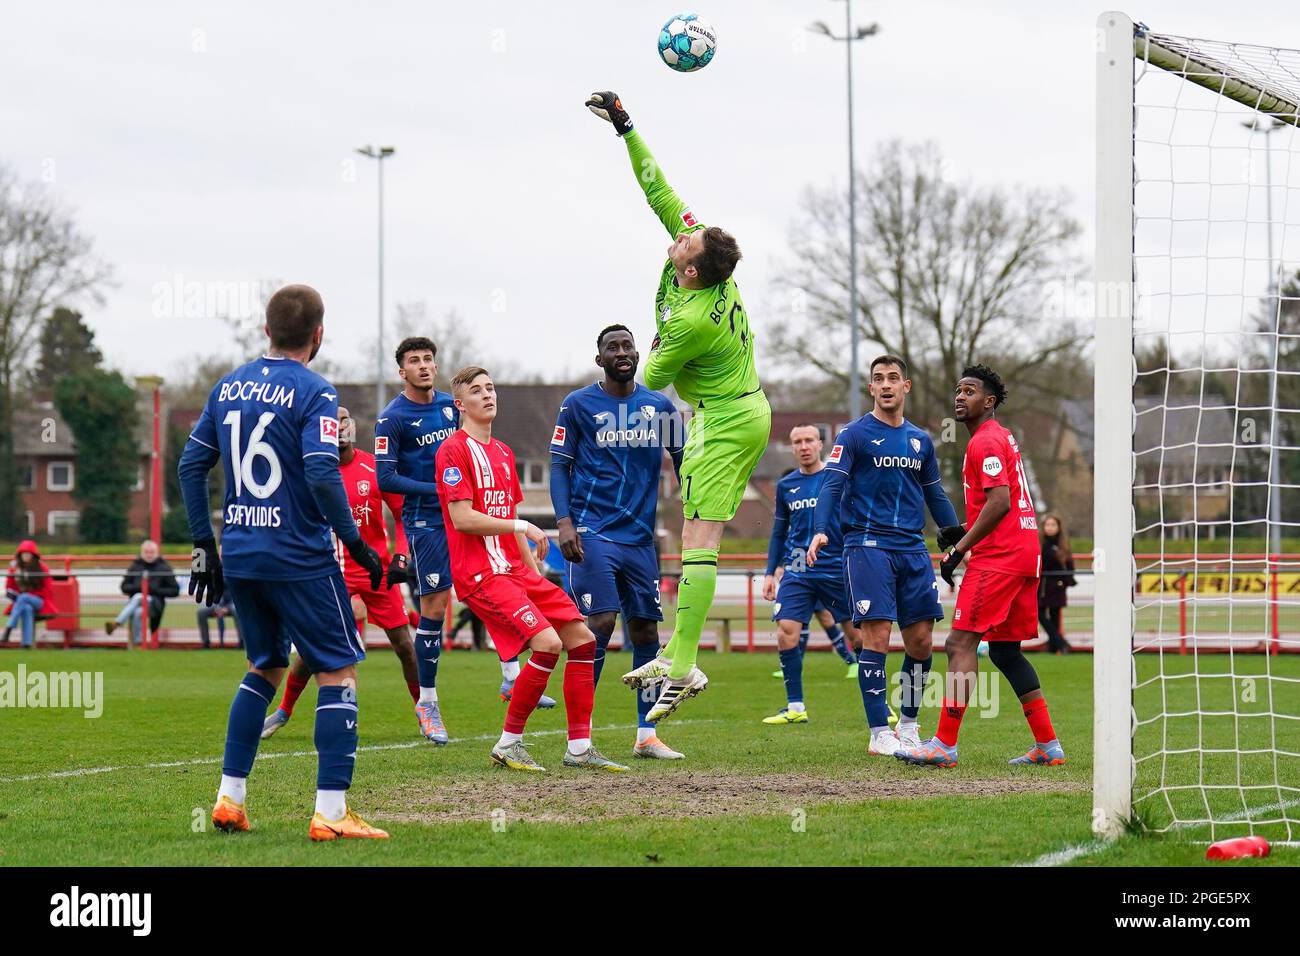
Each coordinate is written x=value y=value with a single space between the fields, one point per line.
x=706 y=347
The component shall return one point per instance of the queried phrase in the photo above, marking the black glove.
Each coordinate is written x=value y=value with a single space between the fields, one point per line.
x=397 y=570
x=207 y=583
x=609 y=107
x=368 y=558
x=950 y=535
x=951 y=561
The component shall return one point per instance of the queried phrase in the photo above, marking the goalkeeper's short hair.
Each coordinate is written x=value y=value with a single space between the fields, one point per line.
x=717 y=260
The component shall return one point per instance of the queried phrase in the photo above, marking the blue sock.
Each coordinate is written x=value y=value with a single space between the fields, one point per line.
x=244 y=728
x=792 y=671
x=336 y=737
x=643 y=654
x=871 y=681
x=803 y=640
x=912 y=678
x=841 y=646
x=602 y=642
x=428 y=648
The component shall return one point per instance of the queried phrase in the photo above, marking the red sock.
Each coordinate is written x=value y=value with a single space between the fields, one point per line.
x=580 y=690
x=293 y=688
x=1040 y=721
x=528 y=690
x=414 y=687
x=950 y=722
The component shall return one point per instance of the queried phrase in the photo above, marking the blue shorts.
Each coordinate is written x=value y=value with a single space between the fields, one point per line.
x=430 y=562
x=314 y=615
x=891 y=586
x=616 y=577
x=799 y=597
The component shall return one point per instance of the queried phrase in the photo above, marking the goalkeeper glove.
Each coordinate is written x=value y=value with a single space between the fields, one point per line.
x=950 y=563
x=368 y=558
x=397 y=570
x=950 y=535
x=207 y=583
x=609 y=107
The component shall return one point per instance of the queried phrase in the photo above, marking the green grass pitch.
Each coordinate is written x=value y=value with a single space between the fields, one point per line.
x=136 y=785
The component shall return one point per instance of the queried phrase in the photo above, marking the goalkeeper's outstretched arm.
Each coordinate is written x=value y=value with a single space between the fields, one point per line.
x=671 y=209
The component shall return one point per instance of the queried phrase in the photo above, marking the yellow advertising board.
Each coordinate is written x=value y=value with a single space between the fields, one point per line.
x=1216 y=582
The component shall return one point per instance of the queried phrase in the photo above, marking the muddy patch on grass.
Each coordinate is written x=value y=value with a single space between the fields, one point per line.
x=580 y=796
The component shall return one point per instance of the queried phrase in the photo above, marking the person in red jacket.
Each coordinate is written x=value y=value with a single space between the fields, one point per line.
x=30 y=591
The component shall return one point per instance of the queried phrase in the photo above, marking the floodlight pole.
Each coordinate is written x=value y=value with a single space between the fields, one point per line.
x=379 y=154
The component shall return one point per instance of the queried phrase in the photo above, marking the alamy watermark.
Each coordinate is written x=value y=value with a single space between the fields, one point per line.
x=74 y=690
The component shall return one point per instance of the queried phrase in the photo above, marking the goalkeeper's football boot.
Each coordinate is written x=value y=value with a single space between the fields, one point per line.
x=274 y=722
x=593 y=759
x=508 y=688
x=677 y=692
x=788 y=716
x=885 y=744
x=229 y=816
x=430 y=719
x=515 y=757
x=655 y=749
x=909 y=735
x=1050 y=754
x=933 y=753
x=647 y=674
x=351 y=827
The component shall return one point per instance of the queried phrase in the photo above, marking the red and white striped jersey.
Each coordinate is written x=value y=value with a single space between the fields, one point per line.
x=367 y=504
x=469 y=470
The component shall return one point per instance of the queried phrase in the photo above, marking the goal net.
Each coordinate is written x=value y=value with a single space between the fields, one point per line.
x=1197 y=683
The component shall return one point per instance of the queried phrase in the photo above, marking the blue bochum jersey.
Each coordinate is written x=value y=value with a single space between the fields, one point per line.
x=891 y=473
x=265 y=419
x=792 y=529
x=615 y=447
x=407 y=437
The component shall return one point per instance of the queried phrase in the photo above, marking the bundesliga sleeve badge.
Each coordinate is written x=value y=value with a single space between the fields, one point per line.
x=381 y=444
x=834 y=458
x=329 y=430
x=558 y=437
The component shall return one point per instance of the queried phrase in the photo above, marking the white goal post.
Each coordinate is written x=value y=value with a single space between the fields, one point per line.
x=1197 y=435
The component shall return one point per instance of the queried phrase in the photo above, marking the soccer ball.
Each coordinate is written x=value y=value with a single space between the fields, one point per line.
x=687 y=42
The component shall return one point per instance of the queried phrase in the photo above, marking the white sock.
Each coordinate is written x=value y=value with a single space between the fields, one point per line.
x=510 y=670
x=795 y=707
x=579 y=746
x=644 y=733
x=906 y=722
x=332 y=804
x=428 y=695
x=508 y=738
x=877 y=731
x=233 y=787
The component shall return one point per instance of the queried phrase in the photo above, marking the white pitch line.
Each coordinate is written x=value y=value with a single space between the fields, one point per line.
x=205 y=761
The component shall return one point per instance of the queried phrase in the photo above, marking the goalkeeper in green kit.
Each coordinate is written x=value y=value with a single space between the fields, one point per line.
x=703 y=346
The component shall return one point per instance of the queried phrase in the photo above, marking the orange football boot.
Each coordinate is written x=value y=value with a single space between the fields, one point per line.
x=351 y=826
x=229 y=816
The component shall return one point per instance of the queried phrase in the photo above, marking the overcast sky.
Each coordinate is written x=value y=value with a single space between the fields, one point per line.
x=213 y=143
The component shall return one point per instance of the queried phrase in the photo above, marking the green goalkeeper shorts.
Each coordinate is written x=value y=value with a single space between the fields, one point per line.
x=722 y=450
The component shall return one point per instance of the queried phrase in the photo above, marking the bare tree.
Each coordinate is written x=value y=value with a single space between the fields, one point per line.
x=44 y=261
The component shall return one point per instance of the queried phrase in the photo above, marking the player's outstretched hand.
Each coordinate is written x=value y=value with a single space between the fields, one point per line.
x=818 y=542
x=950 y=563
x=949 y=536
x=207 y=583
x=570 y=542
x=609 y=107
x=397 y=571
x=368 y=558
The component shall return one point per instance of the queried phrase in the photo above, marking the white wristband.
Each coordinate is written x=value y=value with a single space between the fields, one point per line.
x=521 y=525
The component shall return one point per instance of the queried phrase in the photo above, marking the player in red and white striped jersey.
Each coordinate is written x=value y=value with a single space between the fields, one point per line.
x=383 y=607
x=496 y=575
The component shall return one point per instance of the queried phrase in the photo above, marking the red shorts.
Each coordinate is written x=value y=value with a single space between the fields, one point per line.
x=518 y=606
x=384 y=609
x=1002 y=607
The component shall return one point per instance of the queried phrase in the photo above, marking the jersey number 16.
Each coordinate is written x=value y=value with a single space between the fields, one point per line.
x=241 y=463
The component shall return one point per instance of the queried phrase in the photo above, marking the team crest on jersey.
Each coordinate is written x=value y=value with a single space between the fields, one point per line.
x=916 y=445
x=529 y=619
x=451 y=476
x=432 y=579
x=864 y=607
x=558 y=437
x=363 y=488
x=776 y=608
x=329 y=430
x=586 y=600
x=992 y=465
x=447 y=412
x=647 y=412
x=381 y=444
x=834 y=458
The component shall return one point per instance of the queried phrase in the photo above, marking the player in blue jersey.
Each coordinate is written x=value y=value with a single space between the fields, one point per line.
x=607 y=455
x=408 y=433
x=887 y=472
x=273 y=425
x=802 y=589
